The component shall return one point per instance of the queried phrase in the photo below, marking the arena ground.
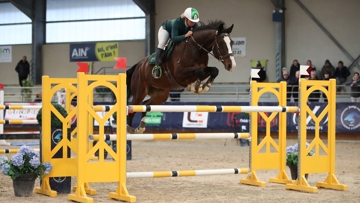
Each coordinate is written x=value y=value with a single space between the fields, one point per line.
x=209 y=154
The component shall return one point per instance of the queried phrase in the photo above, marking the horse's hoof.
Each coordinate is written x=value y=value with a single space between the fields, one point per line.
x=139 y=130
x=206 y=88
x=130 y=130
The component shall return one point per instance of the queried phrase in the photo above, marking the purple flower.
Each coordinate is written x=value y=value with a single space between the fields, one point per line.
x=5 y=168
x=28 y=151
x=48 y=167
x=17 y=160
x=35 y=162
x=290 y=149
x=3 y=160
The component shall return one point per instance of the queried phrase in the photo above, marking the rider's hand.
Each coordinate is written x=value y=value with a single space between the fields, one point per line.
x=188 y=34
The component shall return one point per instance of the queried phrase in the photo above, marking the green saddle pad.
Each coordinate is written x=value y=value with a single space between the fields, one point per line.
x=151 y=59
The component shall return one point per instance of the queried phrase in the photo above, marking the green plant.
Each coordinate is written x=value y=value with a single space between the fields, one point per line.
x=55 y=121
x=26 y=161
x=27 y=83
x=292 y=154
x=114 y=116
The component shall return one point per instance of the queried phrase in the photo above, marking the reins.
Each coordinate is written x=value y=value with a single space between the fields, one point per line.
x=221 y=57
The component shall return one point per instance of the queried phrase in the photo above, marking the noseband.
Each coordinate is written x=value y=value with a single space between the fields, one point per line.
x=221 y=57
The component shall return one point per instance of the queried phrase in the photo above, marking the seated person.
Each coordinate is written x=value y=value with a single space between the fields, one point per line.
x=341 y=74
x=285 y=77
x=328 y=67
x=315 y=95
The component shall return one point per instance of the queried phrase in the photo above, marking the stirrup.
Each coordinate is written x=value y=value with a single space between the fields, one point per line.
x=157 y=67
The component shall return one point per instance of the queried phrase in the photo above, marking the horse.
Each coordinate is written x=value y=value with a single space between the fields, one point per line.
x=186 y=66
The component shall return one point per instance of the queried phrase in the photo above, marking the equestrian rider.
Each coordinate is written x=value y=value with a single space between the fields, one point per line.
x=177 y=29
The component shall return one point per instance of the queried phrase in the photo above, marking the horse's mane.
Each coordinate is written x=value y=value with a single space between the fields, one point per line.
x=212 y=25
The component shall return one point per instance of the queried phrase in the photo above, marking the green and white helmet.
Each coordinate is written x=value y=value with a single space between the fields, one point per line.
x=192 y=14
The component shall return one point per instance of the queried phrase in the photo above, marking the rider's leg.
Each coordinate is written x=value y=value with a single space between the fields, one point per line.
x=157 y=62
x=163 y=36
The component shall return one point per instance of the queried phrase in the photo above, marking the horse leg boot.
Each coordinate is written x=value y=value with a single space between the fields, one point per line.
x=201 y=75
x=141 y=128
x=157 y=68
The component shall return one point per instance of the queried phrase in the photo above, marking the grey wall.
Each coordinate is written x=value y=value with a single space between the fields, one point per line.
x=252 y=19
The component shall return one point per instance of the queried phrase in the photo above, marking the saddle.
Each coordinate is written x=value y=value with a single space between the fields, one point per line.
x=166 y=54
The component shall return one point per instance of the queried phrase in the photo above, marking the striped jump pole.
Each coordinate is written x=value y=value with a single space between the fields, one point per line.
x=232 y=109
x=18 y=122
x=4 y=107
x=174 y=136
x=163 y=174
x=13 y=151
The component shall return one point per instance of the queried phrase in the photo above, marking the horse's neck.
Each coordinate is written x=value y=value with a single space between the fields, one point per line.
x=205 y=38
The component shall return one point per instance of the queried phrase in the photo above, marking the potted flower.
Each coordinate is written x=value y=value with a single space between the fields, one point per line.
x=23 y=168
x=59 y=184
x=292 y=159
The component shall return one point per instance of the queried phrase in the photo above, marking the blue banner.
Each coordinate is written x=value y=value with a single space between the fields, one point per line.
x=82 y=52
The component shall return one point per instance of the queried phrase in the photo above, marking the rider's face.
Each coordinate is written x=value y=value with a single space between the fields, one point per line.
x=189 y=23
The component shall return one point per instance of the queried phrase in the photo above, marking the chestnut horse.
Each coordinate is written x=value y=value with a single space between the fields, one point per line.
x=186 y=66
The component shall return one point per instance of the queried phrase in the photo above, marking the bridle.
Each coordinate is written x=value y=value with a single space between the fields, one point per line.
x=221 y=57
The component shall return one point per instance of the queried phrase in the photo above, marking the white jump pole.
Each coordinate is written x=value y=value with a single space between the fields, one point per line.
x=174 y=136
x=163 y=174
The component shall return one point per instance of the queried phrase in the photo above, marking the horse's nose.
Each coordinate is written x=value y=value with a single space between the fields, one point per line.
x=229 y=66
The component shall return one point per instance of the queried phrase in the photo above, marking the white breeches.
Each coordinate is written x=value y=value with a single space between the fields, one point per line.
x=163 y=37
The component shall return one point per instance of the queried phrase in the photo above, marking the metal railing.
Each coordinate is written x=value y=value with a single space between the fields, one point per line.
x=217 y=93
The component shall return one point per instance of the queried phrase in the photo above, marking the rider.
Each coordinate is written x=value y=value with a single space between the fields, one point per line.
x=176 y=29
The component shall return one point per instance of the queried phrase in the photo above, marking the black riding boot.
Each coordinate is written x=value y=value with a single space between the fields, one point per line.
x=157 y=68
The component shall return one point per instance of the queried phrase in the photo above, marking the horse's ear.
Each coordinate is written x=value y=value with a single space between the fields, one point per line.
x=220 y=28
x=229 y=30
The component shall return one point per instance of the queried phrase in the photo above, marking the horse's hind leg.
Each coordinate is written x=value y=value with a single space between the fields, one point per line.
x=141 y=128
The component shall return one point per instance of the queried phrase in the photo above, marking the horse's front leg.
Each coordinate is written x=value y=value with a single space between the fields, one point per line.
x=213 y=72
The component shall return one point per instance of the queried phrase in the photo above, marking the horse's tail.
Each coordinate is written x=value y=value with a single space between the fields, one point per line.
x=129 y=74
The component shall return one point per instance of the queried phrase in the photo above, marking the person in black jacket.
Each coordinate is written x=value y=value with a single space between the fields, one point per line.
x=341 y=74
x=23 y=70
x=294 y=67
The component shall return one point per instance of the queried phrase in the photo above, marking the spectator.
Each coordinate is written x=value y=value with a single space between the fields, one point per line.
x=310 y=68
x=315 y=95
x=355 y=88
x=175 y=95
x=294 y=81
x=329 y=68
x=285 y=77
x=294 y=67
x=326 y=77
x=261 y=73
x=23 y=70
x=341 y=74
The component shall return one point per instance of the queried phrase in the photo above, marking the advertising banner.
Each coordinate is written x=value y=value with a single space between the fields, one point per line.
x=347 y=118
x=106 y=51
x=239 y=46
x=5 y=54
